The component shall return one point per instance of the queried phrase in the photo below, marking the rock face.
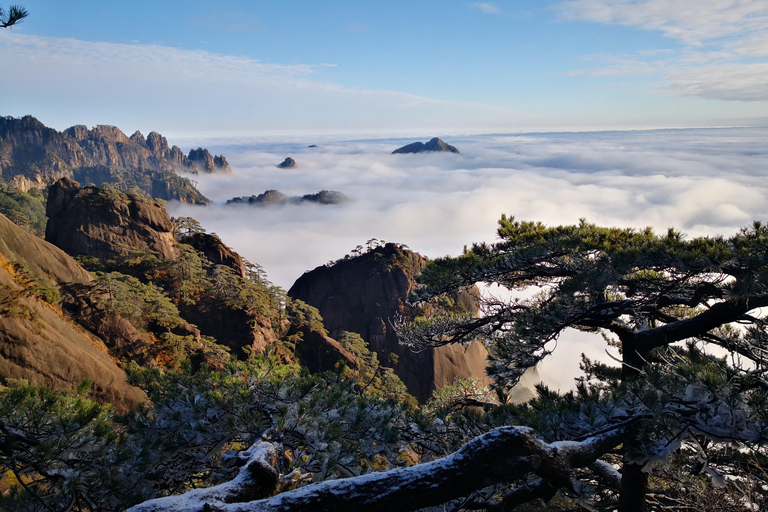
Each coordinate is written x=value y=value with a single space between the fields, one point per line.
x=419 y=147
x=363 y=294
x=82 y=221
x=36 y=342
x=31 y=153
x=275 y=197
x=288 y=163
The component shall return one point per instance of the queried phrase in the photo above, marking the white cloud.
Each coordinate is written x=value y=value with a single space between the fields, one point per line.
x=717 y=36
x=616 y=66
x=743 y=82
x=486 y=7
x=691 y=22
x=703 y=181
x=163 y=88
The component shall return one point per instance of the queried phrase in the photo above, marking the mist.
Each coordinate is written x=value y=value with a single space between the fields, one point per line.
x=700 y=181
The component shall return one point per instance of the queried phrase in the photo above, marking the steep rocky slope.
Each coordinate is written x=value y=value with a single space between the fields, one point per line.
x=363 y=294
x=37 y=342
x=33 y=155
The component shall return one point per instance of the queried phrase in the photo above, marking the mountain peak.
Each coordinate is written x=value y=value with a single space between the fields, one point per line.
x=435 y=144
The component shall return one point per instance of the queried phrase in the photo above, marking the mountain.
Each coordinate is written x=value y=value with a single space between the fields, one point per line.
x=275 y=197
x=37 y=342
x=432 y=146
x=32 y=156
x=365 y=293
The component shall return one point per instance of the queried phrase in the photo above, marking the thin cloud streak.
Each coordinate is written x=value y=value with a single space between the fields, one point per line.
x=691 y=22
x=162 y=88
x=486 y=7
x=717 y=35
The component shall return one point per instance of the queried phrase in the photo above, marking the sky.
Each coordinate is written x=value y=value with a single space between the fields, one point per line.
x=422 y=67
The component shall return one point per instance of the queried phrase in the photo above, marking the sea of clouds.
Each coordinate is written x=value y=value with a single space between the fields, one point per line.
x=701 y=181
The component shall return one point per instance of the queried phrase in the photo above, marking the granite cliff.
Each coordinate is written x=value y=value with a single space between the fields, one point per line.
x=362 y=294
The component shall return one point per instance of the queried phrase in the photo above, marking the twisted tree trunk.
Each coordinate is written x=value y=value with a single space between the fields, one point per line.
x=499 y=456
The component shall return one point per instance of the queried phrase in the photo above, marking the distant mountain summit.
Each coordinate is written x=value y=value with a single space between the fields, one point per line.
x=275 y=197
x=419 y=147
x=288 y=163
x=33 y=156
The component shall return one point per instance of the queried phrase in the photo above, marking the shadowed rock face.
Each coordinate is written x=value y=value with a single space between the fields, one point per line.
x=82 y=222
x=36 y=342
x=433 y=145
x=363 y=294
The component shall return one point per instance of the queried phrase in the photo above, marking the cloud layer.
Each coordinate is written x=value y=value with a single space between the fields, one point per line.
x=703 y=181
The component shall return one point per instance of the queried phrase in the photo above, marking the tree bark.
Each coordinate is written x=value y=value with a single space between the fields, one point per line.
x=634 y=487
x=499 y=456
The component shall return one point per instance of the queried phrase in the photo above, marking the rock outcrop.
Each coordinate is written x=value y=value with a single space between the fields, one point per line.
x=275 y=197
x=433 y=145
x=88 y=221
x=37 y=343
x=288 y=163
x=217 y=253
x=363 y=294
x=31 y=153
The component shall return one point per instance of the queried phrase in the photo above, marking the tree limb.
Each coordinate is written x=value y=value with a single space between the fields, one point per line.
x=502 y=455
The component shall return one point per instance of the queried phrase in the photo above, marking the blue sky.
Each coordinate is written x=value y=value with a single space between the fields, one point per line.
x=396 y=66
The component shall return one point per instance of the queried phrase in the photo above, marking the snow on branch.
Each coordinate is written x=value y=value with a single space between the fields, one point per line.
x=502 y=455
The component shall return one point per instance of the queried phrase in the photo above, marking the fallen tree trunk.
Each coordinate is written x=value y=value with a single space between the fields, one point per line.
x=499 y=456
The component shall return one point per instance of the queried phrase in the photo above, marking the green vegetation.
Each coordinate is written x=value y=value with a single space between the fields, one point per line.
x=14 y=15
x=154 y=183
x=25 y=209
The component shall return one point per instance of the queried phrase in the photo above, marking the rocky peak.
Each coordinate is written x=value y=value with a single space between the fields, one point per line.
x=365 y=291
x=288 y=163
x=202 y=160
x=78 y=132
x=434 y=145
x=109 y=133
x=138 y=138
x=157 y=144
